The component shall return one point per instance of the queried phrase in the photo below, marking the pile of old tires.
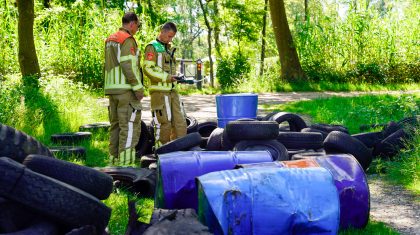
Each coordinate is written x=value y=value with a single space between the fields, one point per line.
x=43 y=195
x=287 y=136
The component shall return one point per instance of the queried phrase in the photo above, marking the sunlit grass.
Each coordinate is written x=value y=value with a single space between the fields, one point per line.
x=355 y=111
x=118 y=201
x=373 y=227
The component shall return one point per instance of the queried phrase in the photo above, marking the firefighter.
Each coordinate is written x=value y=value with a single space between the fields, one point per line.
x=123 y=85
x=159 y=67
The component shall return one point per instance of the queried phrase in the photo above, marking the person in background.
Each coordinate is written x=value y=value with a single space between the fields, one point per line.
x=159 y=67
x=123 y=86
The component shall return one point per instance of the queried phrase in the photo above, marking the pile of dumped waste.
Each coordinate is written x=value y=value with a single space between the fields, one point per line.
x=269 y=175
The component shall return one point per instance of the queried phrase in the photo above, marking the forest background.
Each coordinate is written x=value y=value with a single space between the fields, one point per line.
x=337 y=41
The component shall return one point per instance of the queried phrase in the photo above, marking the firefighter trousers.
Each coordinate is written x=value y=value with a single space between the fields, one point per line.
x=168 y=116
x=125 y=119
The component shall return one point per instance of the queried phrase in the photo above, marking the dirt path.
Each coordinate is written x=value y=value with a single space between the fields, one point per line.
x=390 y=204
x=203 y=107
x=395 y=206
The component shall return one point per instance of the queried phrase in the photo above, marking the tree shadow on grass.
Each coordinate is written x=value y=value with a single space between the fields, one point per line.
x=40 y=111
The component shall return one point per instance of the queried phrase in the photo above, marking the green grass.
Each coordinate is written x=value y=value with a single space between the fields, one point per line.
x=373 y=227
x=60 y=105
x=355 y=111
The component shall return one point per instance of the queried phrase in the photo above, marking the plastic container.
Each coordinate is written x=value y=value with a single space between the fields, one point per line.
x=349 y=178
x=177 y=172
x=235 y=106
x=269 y=201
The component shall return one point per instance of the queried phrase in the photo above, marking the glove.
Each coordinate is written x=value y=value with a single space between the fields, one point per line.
x=139 y=94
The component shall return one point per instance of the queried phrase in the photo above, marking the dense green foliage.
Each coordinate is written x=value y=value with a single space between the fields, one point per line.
x=339 y=42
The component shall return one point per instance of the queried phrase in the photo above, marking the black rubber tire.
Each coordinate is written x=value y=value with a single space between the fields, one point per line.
x=144 y=146
x=95 y=127
x=227 y=143
x=390 y=128
x=192 y=125
x=203 y=143
x=65 y=203
x=17 y=145
x=84 y=230
x=68 y=152
x=146 y=160
x=330 y=127
x=277 y=150
x=310 y=129
x=370 y=139
x=180 y=144
x=214 y=142
x=341 y=142
x=206 y=128
x=182 y=221
x=391 y=145
x=292 y=152
x=301 y=140
x=84 y=178
x=15 y=216
x=137 y=180
x=252 y=130
x=365 y=127
x=296 y=123
x=410 y=123
x=38 y=227
x=300 y=156
x=268 y=116
x=70 y=137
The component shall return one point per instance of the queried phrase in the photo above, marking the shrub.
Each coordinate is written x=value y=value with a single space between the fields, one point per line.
x=232 y=69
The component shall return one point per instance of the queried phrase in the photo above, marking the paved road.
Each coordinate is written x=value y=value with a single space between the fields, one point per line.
x=203 y=107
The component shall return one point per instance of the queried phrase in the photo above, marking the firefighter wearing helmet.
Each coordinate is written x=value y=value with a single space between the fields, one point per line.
x=123 y=85
x=159 y=66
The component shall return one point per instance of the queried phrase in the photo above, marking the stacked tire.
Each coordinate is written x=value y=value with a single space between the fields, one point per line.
x=57 y=196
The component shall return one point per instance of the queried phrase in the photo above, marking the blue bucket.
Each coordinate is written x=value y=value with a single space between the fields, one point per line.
x=235 y=106
x=269 y=201
x=177 y=171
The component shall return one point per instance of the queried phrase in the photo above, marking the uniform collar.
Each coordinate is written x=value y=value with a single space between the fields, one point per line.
x=126 y=30
x=164 y=44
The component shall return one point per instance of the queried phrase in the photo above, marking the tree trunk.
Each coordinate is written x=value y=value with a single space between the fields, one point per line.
x=28 y=60
x=263 y=38
x=206 y=20
x=216 y=29
x=290 y=65
x=306 y=10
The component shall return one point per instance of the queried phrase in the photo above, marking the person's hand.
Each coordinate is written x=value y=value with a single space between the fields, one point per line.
x=139 y=94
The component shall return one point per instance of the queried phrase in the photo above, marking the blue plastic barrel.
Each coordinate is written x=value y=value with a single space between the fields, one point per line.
x=235 y=106
x=176 y=188
x=269 y=201
x=349 y=178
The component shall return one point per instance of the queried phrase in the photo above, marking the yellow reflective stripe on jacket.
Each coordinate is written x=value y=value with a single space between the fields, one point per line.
x=134 y=68
x=161 y=87
x=115 y=79
x=137 y=87
x=155 y=71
